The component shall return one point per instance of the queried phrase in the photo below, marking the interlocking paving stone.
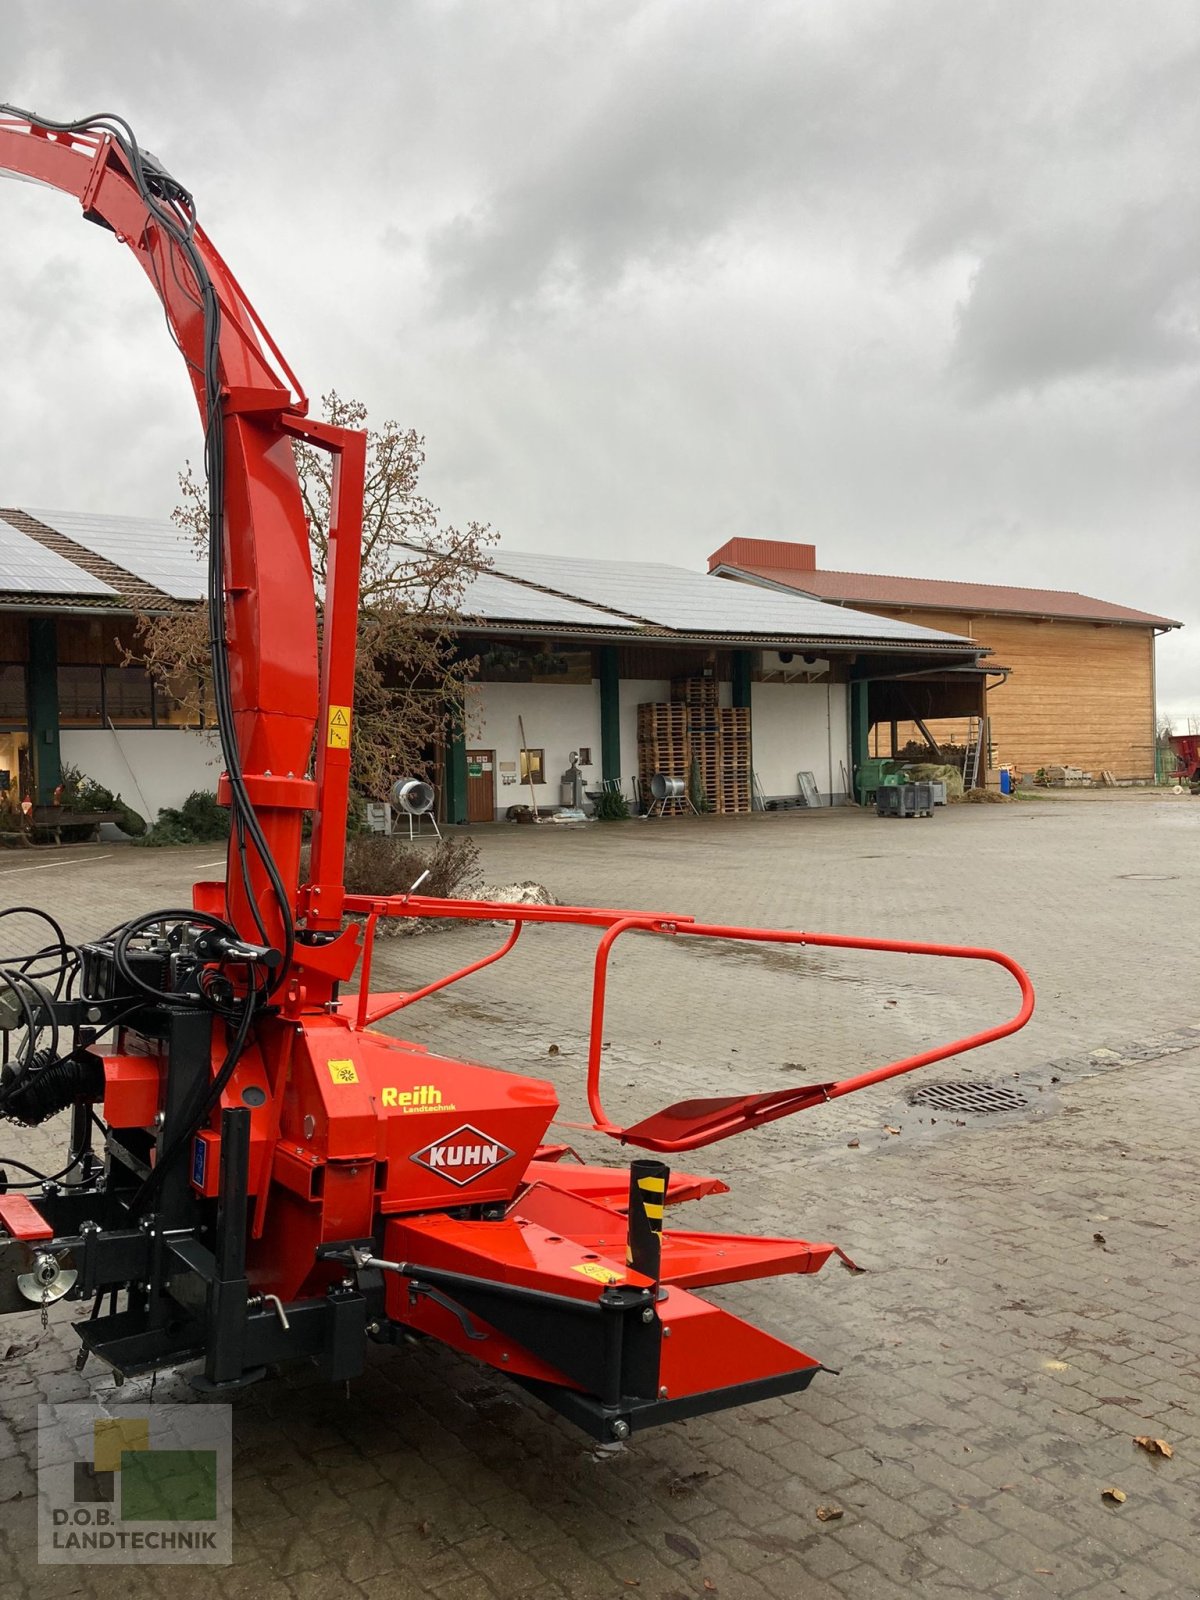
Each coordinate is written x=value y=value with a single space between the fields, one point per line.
x=996 y=1361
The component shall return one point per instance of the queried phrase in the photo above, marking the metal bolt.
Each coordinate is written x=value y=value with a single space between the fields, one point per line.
x=662 y=1393
x=648 y=1314
x=94 y=1014
x=159 y=1119
x=504 y=1355
x=373 y=1327
x=620 y=1430
x=347 y=1283
x=666 y=1333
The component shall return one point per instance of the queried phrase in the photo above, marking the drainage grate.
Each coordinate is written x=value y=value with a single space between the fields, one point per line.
x=983 y=1099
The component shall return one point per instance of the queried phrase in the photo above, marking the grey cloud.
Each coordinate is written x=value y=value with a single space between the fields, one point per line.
x=1115 y=298
x=910 y=277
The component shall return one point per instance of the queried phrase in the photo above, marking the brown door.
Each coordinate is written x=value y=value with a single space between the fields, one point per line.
x=481 y=786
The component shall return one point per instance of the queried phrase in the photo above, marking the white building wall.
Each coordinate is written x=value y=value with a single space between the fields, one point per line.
x=559 y=717
x=795 y=726
x=148 y=767
x=800 y=727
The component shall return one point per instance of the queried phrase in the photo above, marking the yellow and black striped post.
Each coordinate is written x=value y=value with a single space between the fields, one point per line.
x=647 y=1197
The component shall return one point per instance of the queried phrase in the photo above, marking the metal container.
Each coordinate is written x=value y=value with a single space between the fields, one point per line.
x=413 y=796
x=904 y=800
x=664 y=788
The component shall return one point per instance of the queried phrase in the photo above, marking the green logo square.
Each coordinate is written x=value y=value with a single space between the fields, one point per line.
x=168 y=1485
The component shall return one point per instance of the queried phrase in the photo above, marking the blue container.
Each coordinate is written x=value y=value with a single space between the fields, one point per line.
x=1005 y=781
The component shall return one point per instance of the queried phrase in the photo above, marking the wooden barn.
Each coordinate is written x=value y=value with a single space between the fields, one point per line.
x=1077 y=685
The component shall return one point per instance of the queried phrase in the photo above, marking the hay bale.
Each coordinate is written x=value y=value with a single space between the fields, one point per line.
x=938 y=772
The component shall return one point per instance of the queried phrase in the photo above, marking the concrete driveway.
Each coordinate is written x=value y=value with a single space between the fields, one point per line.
x=1032 y=1291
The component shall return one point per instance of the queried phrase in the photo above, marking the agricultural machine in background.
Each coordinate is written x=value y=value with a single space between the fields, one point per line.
x=253 y=1173
x=1185 y=747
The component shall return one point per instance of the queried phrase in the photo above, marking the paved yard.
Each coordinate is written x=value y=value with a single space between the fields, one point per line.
x=997 y=1357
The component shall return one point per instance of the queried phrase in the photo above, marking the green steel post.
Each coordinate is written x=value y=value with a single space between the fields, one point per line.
x=860 y=729
x=610 y=713
x=456 y=772
x=43 y=709
x=741 y=678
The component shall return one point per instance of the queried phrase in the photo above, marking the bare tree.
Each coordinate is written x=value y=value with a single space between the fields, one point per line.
x=411 y=672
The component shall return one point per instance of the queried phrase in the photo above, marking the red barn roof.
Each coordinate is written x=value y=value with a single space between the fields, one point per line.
x=786 y=565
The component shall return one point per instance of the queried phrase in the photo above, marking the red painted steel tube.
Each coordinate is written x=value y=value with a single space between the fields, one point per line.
x=616 y=923
x=270 y=613
x=443 y=983
x=418 y=905
x=339 y=645
x=864 y=1080
x=364 y=972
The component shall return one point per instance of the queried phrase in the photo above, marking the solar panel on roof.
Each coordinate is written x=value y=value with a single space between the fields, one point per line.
x=694 y=602
x=26 y=567
x=492 y=596
x=158 y=553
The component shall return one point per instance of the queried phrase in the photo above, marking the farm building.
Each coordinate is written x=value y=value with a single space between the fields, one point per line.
x=579 y=650
x=1078 y=689
x=635 y=667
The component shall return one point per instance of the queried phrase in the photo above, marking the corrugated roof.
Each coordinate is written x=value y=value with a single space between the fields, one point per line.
x=686 y=602
x=876 y=588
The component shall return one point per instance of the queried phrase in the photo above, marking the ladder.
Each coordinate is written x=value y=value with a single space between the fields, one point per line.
x=976 y=733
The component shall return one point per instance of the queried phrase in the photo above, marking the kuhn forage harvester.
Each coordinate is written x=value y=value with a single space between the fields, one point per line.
x=277 y=1179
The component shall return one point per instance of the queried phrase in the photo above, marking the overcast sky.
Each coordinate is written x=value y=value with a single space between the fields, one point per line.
x=914 y=280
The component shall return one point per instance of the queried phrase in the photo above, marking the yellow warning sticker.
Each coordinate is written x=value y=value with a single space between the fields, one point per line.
x=343 y=1072
x=602 y=1274
x=338 y=734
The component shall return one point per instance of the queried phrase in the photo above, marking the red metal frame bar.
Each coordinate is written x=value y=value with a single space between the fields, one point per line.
x=283 y=687
x=339 y=644
x=365 y=1016
x=766 y=1108
x=270 y=616
x=736 y=1120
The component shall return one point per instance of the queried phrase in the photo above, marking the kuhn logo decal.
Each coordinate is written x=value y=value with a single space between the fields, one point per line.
x=463 y=1156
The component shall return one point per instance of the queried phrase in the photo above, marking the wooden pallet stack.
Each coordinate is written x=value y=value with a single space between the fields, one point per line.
x=733 y=740
x=693 y=727
x=664 y=742
x=699 y=695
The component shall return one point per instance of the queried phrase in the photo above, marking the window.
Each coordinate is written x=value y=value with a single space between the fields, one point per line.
x=14 y=705
x=80 y=697
x=585 y=755
x=126 y=697
x=533 y=766
x=181 y=702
